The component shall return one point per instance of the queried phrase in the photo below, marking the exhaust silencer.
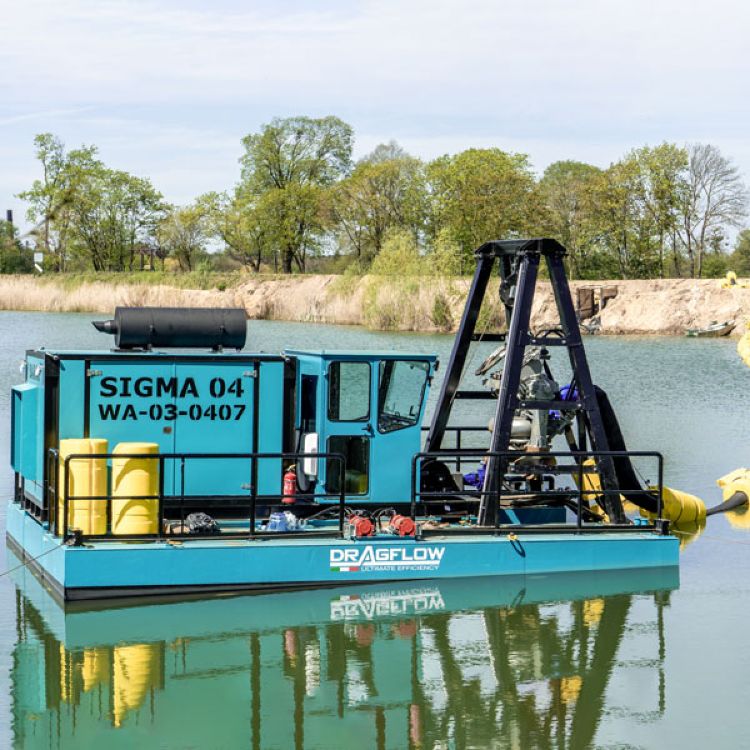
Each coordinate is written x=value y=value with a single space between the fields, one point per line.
x=176 y=327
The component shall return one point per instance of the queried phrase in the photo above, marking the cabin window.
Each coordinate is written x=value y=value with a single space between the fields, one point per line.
x=400 y=393
x=349 y=391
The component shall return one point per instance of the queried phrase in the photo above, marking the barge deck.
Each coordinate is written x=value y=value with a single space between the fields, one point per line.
x=108 y=569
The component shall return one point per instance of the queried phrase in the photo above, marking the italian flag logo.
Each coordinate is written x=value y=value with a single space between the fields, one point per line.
x=345 y=569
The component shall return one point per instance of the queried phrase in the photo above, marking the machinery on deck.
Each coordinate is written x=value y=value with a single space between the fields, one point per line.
x=531 y=409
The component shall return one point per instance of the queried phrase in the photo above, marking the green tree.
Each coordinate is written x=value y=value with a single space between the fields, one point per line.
x=480 y=195
x=182 y=234
x=244 y=224
x=636 y=205
x=660 y=191
x=386 y=191
x=739 y=260
x=52 y=197
x=14 y=256
x=292 y=163
x=716 y=198
x=113 y=214
x=567 y=191
x=87 y=213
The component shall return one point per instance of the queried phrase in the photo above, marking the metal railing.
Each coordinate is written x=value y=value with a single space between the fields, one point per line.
x=459 y=431
x=184 y=497
x=577 y=470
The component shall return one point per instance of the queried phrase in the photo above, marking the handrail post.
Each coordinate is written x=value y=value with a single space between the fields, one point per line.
x=108 y=511
x=660 y=463
x=342 y=496
x=160 y=501
x=45 y=487
x=414 y=464
x=579 y=521
x=497 y=491
x=254 y=491
x=66 y=476
x=54 y=489
x=182 y=494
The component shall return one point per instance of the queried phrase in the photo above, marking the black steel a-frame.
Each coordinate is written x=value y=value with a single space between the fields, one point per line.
x=519 y=267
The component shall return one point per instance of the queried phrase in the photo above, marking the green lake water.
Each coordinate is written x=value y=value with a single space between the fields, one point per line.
x=629 y=660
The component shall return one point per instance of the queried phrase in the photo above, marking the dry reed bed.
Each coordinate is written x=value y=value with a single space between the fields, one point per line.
x=47 y=295
x=389 y=303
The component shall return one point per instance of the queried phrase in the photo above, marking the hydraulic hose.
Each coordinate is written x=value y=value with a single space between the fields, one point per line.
x=627 y=480
x=735 y=489
x=736 y=500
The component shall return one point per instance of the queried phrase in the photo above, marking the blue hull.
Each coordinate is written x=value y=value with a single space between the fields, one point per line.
x=114 y=569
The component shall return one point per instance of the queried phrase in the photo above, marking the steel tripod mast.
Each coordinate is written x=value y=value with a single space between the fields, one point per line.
x=519 y=262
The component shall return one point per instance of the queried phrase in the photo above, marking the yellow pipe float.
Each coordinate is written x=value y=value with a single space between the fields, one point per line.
x=679 y=507
x=737 y=481
x=743 y=346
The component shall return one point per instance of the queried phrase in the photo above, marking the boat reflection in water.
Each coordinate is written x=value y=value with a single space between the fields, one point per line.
x=511 y=662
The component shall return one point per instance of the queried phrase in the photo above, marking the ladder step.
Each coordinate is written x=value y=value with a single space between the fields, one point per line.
x=475 y=395
x=547 y=341
x=488 y=336
x=550 y=405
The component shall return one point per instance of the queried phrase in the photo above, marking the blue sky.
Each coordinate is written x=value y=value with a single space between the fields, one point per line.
x=167 y=89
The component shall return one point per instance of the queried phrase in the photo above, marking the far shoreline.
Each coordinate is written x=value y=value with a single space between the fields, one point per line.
x=658 y=307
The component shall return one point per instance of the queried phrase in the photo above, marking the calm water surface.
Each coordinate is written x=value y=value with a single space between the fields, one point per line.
x=615 y=661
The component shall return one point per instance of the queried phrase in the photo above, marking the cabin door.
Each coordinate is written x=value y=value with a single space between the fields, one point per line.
x=349 y=423
x=399 y=404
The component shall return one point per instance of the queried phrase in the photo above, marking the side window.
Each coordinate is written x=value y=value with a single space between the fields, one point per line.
x=349 y=391
x=400 y=393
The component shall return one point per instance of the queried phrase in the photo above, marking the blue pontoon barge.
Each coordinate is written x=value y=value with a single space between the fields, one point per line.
x=176 y=462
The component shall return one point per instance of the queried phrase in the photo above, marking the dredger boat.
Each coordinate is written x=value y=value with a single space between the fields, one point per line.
x=176 y=462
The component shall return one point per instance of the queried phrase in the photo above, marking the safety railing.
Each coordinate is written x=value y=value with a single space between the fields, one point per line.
x=59 y=471
x=460 y=433
x=507 y=497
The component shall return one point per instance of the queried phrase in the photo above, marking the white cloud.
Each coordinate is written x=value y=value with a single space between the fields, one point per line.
x=175 y=84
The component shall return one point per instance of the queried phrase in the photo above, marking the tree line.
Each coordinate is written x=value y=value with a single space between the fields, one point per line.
x=302 y=203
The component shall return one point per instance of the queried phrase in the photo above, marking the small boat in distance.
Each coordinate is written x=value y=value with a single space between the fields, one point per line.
x=713 y=330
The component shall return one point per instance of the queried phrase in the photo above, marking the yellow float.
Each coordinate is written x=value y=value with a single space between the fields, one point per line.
x=87 y=477
x=135 y=489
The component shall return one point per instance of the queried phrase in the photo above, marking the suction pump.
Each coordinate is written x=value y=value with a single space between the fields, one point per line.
x=176 y=327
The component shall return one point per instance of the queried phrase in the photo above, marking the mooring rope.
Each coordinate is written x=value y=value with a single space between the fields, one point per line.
x=30 y=559
x=711 y=537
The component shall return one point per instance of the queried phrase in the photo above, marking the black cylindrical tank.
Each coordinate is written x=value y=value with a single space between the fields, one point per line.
x=177 y=327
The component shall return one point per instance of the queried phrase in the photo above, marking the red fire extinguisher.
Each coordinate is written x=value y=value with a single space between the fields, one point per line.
x=290 y=486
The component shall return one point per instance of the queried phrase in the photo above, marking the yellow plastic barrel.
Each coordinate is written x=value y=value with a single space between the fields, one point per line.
x=133 y=478
x=86 y=477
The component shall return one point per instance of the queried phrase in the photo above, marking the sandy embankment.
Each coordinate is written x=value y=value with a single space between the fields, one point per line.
x=666 y=307
x=641 y=307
